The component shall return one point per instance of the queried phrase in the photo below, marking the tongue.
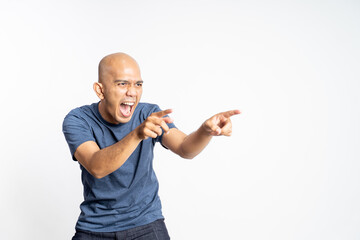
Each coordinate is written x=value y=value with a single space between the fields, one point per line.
x=125 y=110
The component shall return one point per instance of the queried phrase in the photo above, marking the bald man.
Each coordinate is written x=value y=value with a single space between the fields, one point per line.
x=113 y=140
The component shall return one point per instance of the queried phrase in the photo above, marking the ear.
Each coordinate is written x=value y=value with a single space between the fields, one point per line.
x=99 y=90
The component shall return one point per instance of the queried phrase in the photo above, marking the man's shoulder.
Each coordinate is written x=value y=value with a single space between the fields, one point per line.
x=83 y=110
x=147 y=108
x=82 y=114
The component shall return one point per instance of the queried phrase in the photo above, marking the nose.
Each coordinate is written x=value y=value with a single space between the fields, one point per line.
x=131 y=90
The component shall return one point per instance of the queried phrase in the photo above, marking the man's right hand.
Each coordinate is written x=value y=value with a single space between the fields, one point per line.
x=152 y=126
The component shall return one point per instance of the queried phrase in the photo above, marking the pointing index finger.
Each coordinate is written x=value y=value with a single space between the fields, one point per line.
x=162 y=113
x=231 y=113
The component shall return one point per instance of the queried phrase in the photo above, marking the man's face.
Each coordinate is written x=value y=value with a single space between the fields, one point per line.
x=122 y=88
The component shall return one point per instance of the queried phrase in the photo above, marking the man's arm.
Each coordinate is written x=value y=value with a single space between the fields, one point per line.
x=101 y=162
x=188 y=146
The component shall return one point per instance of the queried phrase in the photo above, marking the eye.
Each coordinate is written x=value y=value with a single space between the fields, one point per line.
x=139 y=84
x=121 y=84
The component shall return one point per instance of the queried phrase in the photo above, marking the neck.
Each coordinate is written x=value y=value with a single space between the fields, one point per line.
x=104 y=113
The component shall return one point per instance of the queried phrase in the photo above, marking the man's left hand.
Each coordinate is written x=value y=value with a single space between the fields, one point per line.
x=220 y=124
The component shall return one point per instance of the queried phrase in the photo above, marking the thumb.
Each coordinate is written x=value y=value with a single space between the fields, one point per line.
x=212 y=128
x=217 y=131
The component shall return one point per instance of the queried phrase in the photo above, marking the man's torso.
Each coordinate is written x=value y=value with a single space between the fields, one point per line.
x=128 y=197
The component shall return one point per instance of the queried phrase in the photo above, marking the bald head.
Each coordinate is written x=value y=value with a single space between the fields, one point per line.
x=117 y=64
x=119 y=87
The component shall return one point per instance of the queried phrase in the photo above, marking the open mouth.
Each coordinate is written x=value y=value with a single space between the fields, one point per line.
x=126 y=108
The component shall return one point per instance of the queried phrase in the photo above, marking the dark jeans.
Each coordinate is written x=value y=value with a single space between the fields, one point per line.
x=152 y=231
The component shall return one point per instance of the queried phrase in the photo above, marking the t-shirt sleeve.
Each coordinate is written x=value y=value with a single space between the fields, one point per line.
x=76 y=131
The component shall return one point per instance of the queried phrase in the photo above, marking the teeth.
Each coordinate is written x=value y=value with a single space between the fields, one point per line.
x=129 y=103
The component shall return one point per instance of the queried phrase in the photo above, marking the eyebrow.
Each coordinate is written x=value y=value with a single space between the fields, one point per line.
x=126 y=81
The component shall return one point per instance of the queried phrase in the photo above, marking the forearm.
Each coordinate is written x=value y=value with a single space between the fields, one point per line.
x=101 y=162
x=194 y=143
x=109 y=159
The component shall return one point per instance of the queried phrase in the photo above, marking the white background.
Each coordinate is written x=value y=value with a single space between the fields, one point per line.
x=291 y=168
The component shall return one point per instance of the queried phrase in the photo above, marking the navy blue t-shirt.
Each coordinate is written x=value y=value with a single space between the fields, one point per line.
x=128 y=197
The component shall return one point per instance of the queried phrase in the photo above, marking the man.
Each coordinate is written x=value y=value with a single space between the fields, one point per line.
x=113 y=141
